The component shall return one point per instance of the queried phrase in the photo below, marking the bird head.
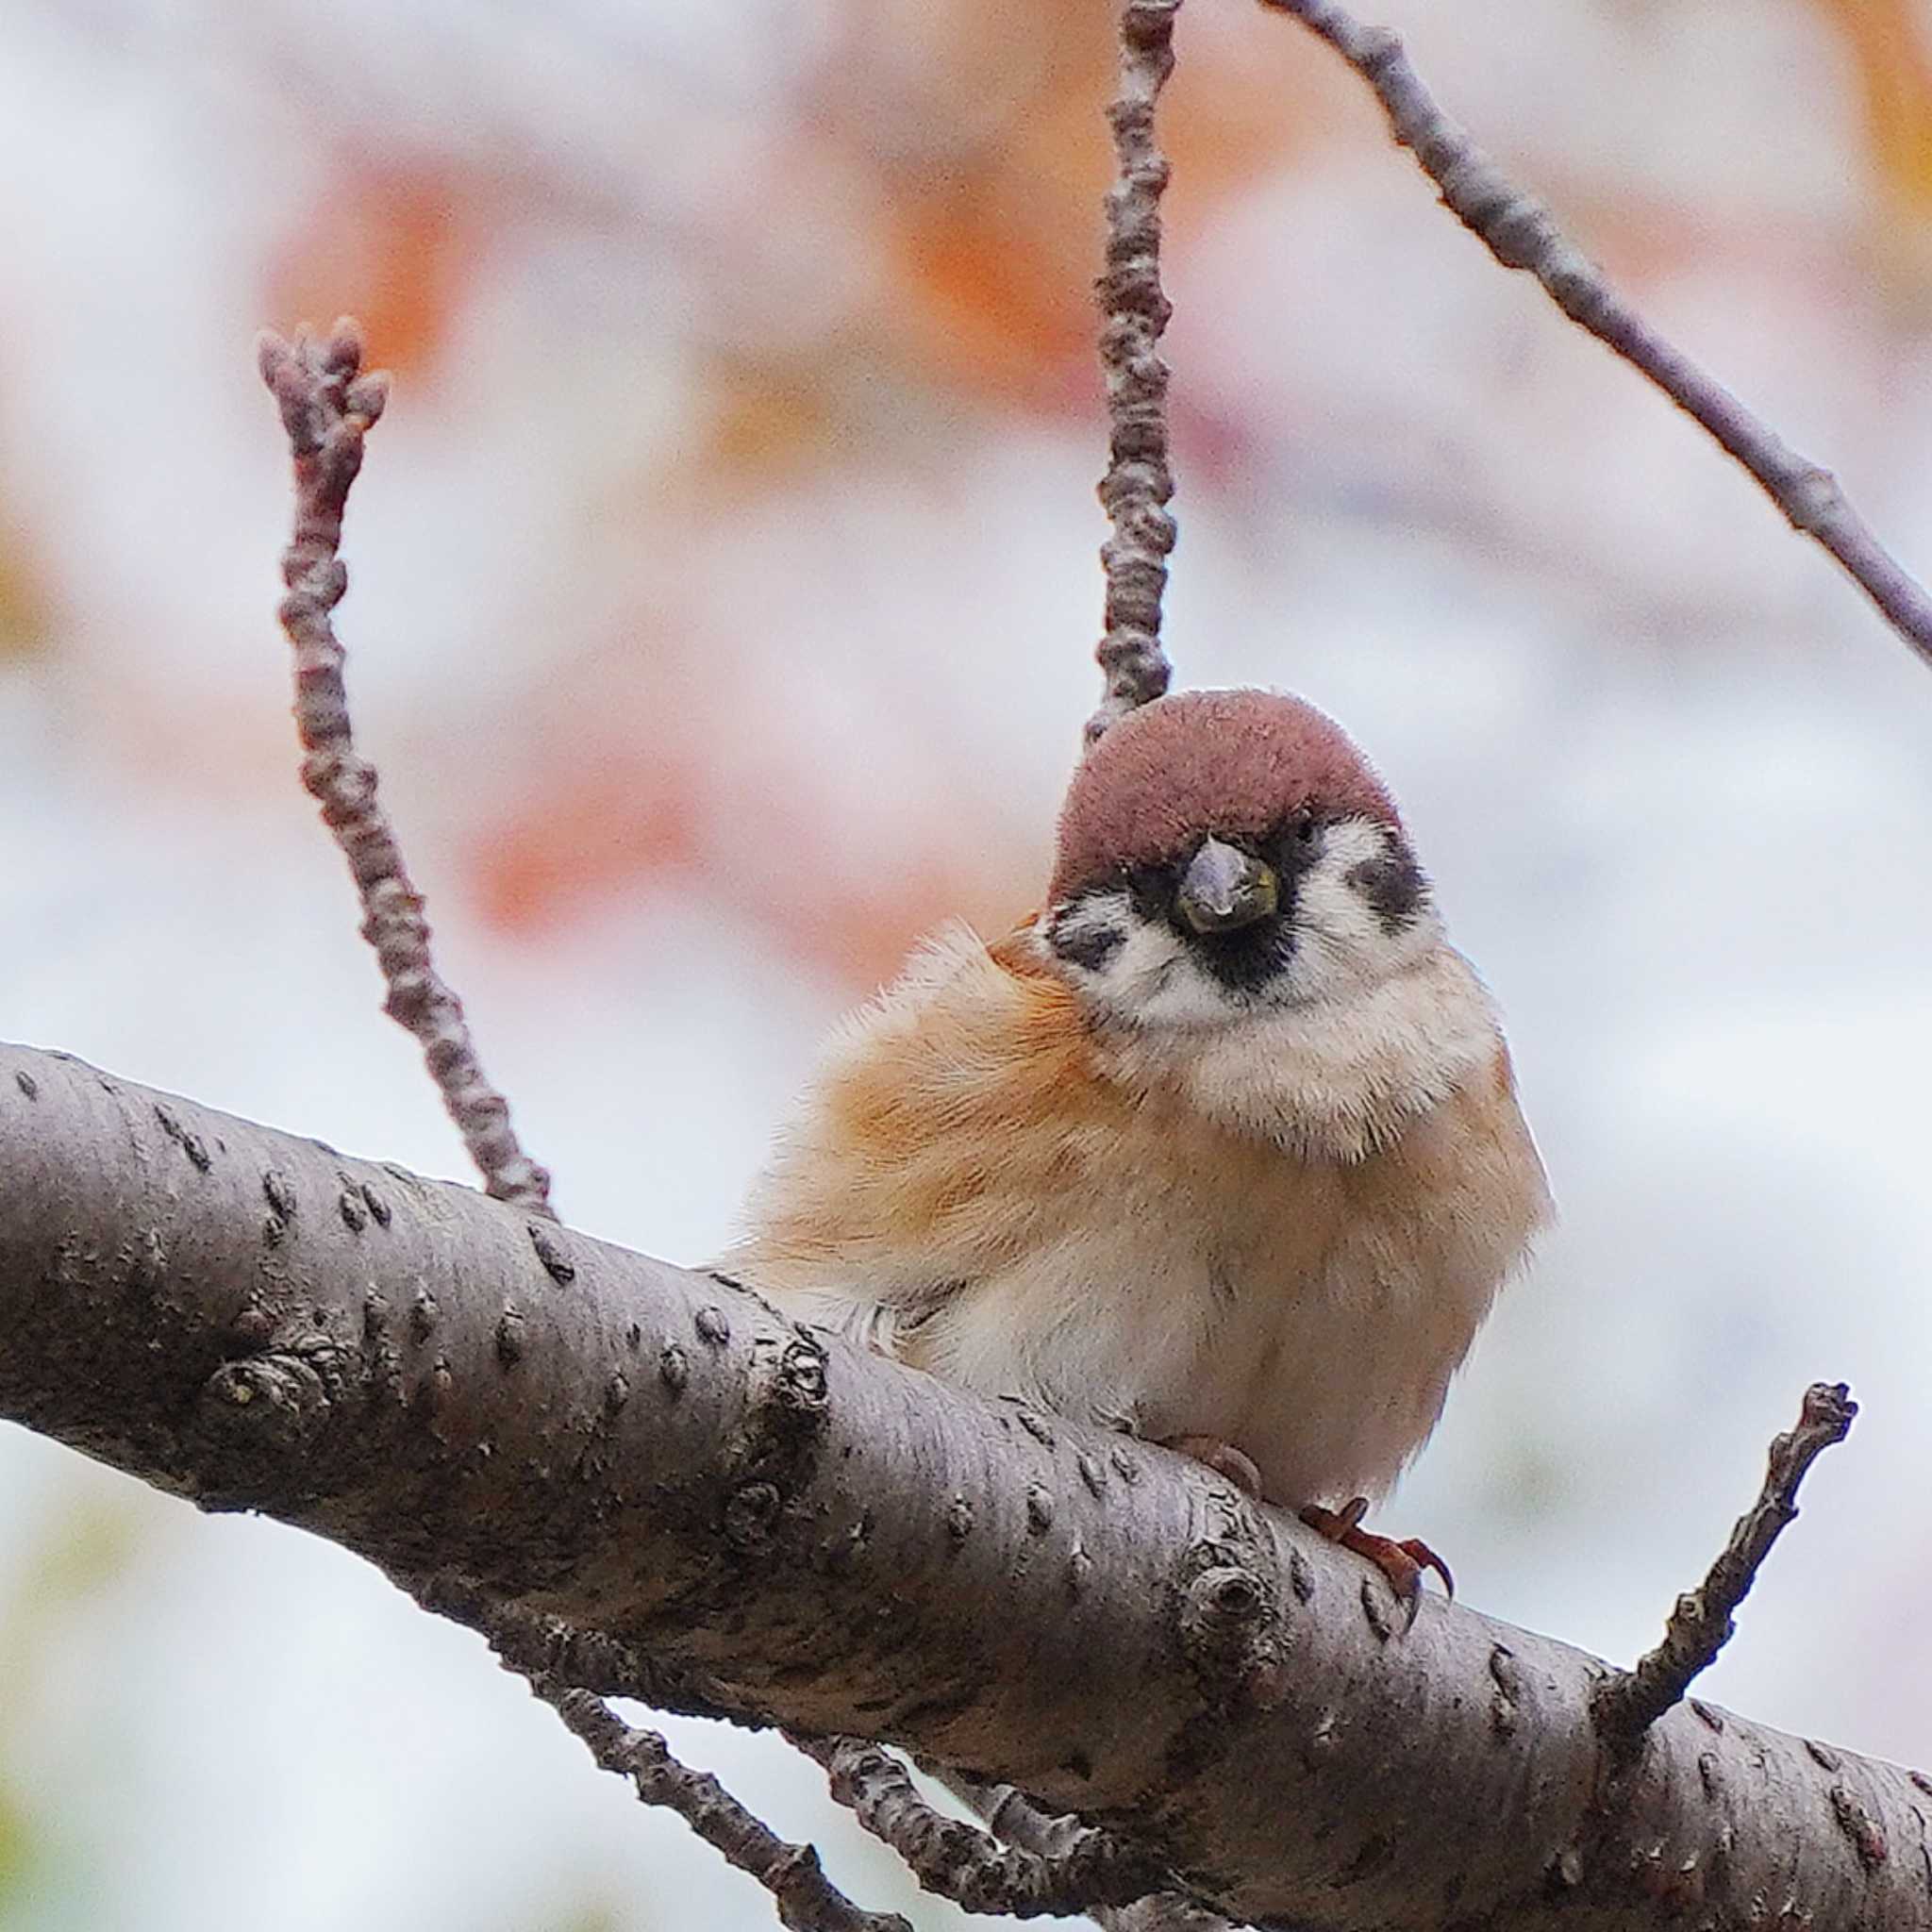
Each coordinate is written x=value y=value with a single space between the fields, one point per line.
x=1227 y=852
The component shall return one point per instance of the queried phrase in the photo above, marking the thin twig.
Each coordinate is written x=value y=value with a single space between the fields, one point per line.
x=1087 y=1868
x=1626 y=1705
x=806 y=1898
x=559 y=1662
x=1521 y=233
x=556 y=1660
x=1139 y=482
x=327 y=407
x=1053 y=1836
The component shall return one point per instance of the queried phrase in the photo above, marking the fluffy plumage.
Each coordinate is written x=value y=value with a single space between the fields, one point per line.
x=1258 y=1186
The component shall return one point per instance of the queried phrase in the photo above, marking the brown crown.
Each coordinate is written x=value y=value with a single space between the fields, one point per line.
x=1231 y=762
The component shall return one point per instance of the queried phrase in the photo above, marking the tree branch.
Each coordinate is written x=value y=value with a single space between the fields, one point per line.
x=560 y=1666
x=327 y=407
x=1523 y=234
x=1134 y=312
x=806 y=1898
x=1054 y=1837
x=1087 y=1868
x=805 y=1533
x=1700 y=1626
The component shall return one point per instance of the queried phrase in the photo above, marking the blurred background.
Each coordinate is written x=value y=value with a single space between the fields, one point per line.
x=723 y=582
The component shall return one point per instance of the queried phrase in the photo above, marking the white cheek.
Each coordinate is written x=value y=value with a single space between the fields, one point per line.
x=1151 y=977
x=1339 y=942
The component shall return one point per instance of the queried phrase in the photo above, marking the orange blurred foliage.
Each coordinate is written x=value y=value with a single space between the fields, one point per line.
x=993 y=227
x=1887 y=42
x=972 y=151
x=584 y=838
x=391 y=241
x=642 y=767
x=590 y=830
x=763 y=417
x=27 y=594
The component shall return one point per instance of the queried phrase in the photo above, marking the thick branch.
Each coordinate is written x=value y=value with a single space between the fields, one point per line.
x=1522 y=233
x=807 y=1535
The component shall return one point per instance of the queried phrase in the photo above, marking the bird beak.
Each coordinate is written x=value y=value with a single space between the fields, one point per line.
x=1224 y=888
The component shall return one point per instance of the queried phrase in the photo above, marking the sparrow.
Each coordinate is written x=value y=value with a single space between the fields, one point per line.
x=1222 y=1148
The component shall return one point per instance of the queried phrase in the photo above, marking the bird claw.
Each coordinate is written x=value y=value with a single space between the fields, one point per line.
x=1402 y=1562
x=1223 y=1459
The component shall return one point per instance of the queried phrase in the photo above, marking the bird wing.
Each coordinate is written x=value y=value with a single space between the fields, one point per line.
x=930 y=1142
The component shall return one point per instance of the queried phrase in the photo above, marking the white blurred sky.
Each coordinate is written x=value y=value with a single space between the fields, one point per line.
x=1670 y=772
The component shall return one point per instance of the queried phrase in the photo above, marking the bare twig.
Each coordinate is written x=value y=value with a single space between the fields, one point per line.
x=327 y=407
x=561 y=1663
x=1053 y=1836
x=1521 y=233
x=558 y=1662
x=1084 y=1869
x=806 y=1898
x=1626 y=1705
x=1139 y=482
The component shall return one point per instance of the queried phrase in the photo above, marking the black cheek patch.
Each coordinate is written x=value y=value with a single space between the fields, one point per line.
x=1393 y=887
x=1089 y=946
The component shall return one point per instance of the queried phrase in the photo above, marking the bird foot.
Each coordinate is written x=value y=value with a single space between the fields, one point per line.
x=1223 y=1459
x=1402 y=1562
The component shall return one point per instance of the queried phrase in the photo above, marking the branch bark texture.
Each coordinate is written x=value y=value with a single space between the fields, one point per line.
x=1083 y=1867
x=327 y=405
x=500 y=1412
x=1056 y=1837
x=1134 y=311
x=805 y=1899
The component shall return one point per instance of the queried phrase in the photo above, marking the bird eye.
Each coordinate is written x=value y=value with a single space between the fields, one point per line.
x=1151 y=889
x=1305 y=827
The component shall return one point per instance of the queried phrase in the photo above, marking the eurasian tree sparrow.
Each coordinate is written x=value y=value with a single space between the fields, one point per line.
x=1222 y=1149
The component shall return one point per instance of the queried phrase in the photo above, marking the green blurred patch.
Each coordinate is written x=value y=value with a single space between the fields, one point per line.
x=20 y=1847
x=89 y=1540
